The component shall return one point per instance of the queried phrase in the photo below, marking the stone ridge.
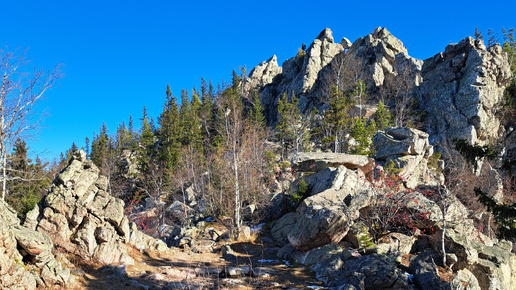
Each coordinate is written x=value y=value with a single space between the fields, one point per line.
x=460 y=90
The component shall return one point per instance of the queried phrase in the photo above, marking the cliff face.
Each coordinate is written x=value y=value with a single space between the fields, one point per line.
x=462 y=91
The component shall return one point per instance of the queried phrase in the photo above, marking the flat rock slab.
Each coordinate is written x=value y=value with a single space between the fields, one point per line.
x=316 y=161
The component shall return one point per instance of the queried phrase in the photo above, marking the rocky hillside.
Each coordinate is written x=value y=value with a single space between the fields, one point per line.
x=79 y=216
x=460 y=89
x=400 y=218
x=338 y=230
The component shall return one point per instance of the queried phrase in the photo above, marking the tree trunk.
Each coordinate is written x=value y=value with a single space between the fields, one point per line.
x=4 y=173
x=237 y=187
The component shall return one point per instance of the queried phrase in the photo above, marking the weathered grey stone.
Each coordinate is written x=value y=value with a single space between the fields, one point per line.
x=114 y=211
x=370 y=272
x=323 y=218
x=408 y=150
x=395 y=244
x=316 y=255
x=299 y=74
x=19 y=244
x=340 y=179
x=426 y=275
x=465 y=80
x=264 y=73
x=281 y=227
x=464 y=280
x=316 y=161
x=179 y=210
x=346 y=44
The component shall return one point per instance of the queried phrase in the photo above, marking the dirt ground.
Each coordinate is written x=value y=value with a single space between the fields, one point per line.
x=184 y=269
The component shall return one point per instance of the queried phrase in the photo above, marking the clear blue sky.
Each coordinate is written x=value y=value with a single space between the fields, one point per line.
x=118 y=56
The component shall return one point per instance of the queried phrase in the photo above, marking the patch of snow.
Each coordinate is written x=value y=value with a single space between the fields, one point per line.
x=268 y=261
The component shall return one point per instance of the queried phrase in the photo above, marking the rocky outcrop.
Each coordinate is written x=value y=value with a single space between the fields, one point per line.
x=324 y=216
x=299 y=74
x=83 y=218
x=381 y=54
x=405 y=150
x=462 y=91
x=264 y=73
x=316 y=161
x=26 y=258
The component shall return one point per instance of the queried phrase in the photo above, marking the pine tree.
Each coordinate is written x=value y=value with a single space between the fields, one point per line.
x=100 y=149
x=383 y=117
x=27 y=180
x=337 y=116
x=256 y=116
x=146 y=142
x=362 y=131
x=87 y=146
x=170 y=133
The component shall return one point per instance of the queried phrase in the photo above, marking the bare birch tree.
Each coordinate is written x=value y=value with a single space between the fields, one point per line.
x=19 y=93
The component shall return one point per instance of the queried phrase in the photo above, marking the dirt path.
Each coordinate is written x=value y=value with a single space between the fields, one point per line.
x=253 y=266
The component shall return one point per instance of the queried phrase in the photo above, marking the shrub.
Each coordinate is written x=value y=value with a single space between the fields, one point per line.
x=389 y=210
x=302 y=192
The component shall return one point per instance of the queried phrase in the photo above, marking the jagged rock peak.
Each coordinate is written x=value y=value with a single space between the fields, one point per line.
x=383 y=42
x=299 y=73
x=264 y=72
x=462 y=91
x=326 y=34
x=381 y=54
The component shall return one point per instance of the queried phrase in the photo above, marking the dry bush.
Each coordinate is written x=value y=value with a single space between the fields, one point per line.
x=461 y=180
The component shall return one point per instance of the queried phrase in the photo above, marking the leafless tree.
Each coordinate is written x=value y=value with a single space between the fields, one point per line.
x=397 y=90
x=19 y=93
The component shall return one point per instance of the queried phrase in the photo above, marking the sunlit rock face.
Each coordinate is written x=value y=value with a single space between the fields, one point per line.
x=462 y=91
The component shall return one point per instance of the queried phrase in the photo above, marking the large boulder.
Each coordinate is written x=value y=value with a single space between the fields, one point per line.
x=323 y=218
x=336 y=196
x=340 y=179
x=370 y=272
x=406 y=150
x=462 y=91
x=316 y=161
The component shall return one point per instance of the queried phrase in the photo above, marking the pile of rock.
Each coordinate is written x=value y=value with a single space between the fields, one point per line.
x=20 y=246
x=83 y=218
x=406 y=150
x=326 y=234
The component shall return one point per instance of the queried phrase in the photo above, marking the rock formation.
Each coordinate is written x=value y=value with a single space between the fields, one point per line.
x=26 y=258
x=264 y=73
x=462 y=91
x=408 y=151
x=299 y=74
x=82 y=217
x=459 y=90
x=380 y=54
x=317 y=232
